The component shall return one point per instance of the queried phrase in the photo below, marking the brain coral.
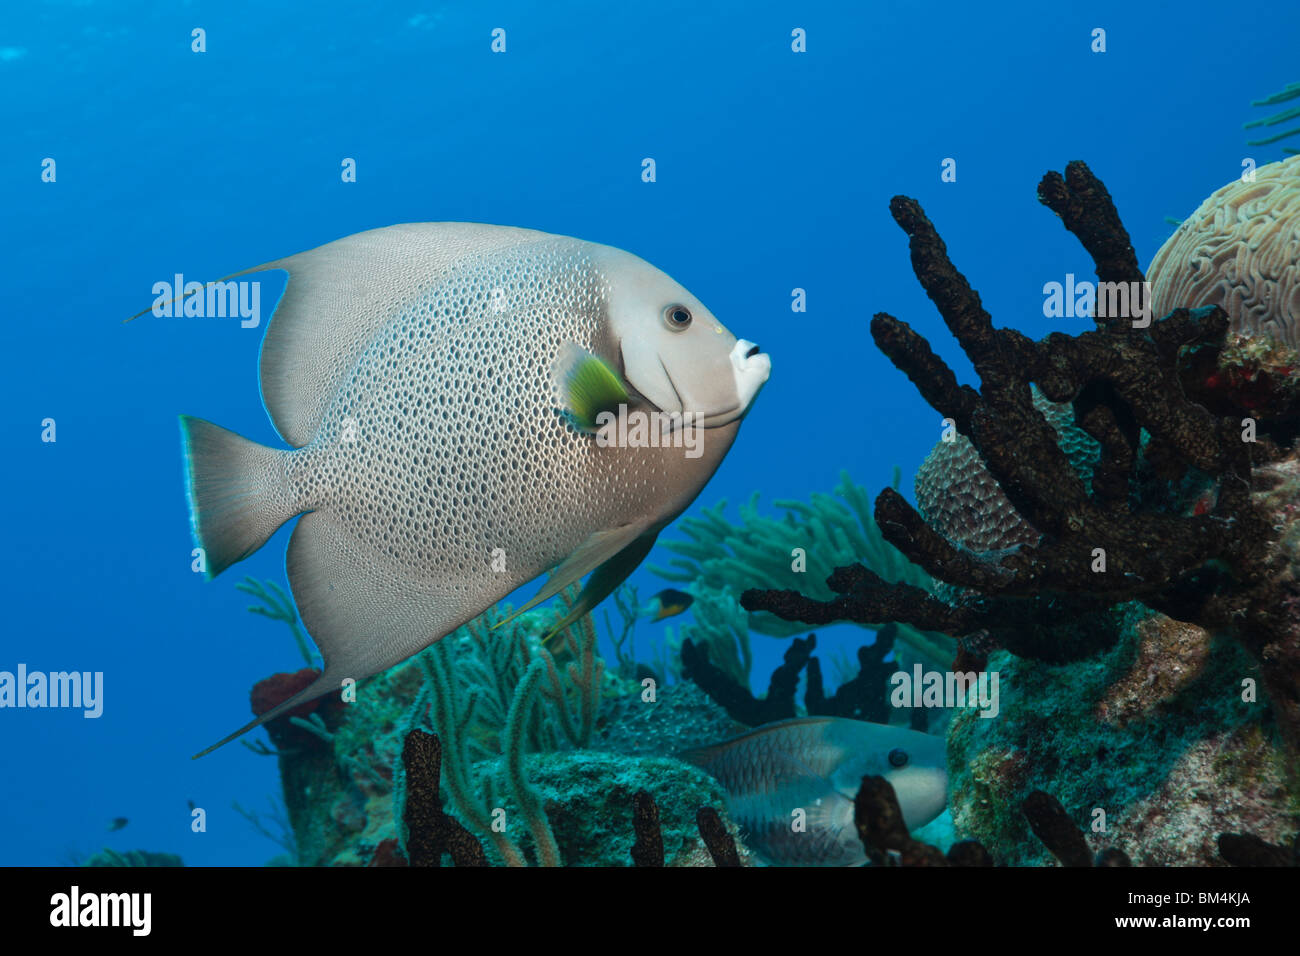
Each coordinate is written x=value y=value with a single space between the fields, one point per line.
x=959 y=498
x=1241 y=251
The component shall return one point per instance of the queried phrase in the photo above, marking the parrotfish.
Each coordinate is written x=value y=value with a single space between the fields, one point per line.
x=791 y=784
x=448 y=392
x=667 y=603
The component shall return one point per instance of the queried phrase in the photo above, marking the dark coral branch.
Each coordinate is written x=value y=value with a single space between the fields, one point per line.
x=1051 y=824
x=738 y=701
x=906 y=530
x=969 y=853
x=1246 y=849
x=1102 y=542
x=862 y=592
x=721 y=846
x=932 y=377
x=1084 y=205
x=956 y=301
x=430 y=831
x=865 y=697
x=879 y=822
x=648 y=849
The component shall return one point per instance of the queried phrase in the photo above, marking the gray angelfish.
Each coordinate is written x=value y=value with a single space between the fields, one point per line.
x=467 y=408
x=808 y=770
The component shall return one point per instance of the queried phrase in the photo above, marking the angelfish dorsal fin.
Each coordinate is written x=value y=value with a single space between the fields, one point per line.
x=587 y=386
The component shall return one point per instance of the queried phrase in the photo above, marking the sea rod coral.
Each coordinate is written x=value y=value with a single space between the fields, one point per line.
x=1123 y=536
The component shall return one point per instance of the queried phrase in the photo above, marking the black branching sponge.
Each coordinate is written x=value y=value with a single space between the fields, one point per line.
x=1121 y=535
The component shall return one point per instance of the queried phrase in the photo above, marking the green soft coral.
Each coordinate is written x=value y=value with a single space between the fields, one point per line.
x=492 y=691
x=1290 y=92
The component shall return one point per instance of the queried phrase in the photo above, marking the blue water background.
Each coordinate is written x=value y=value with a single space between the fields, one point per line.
x=775 y=171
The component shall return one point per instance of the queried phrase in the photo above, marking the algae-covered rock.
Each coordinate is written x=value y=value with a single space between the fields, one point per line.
x=1153 y=747
x=339 y=783
x=588 y=800
x=587 y=796
x=681 y=717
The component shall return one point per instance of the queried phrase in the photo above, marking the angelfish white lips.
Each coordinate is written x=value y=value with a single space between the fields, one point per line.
x=750 y=368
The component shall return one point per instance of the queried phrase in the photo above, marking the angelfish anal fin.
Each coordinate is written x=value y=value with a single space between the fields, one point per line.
x=587 y=386
x=605 y=579
x=599 y=547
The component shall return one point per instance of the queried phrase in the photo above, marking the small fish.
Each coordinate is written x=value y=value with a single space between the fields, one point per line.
x=667 y=603
x=465 y=408
x=117 y=823
x=816 y=765
x=192 y=805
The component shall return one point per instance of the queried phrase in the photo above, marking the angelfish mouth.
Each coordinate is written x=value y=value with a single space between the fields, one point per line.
x=750 y=368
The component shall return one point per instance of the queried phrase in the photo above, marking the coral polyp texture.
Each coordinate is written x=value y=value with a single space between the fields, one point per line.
x=1240 y=250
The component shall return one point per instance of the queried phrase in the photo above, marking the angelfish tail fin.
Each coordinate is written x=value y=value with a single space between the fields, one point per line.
x=237 y=492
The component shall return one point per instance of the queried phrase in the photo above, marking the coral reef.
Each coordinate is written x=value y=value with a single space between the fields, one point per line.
x=1154 y=733
x=1240 y=250
x=428 y=833
x=887 y=842
x=1123 y=536
x=797 y=550
x=478 y=750
x=683 y=717
x=587 y=797
x=1254 y=374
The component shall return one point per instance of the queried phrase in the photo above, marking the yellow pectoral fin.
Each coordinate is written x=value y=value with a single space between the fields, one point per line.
x=588 y=386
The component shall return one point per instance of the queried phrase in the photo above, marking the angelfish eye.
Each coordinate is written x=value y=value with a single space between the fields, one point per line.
x=898 y=757
x=677 y=317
